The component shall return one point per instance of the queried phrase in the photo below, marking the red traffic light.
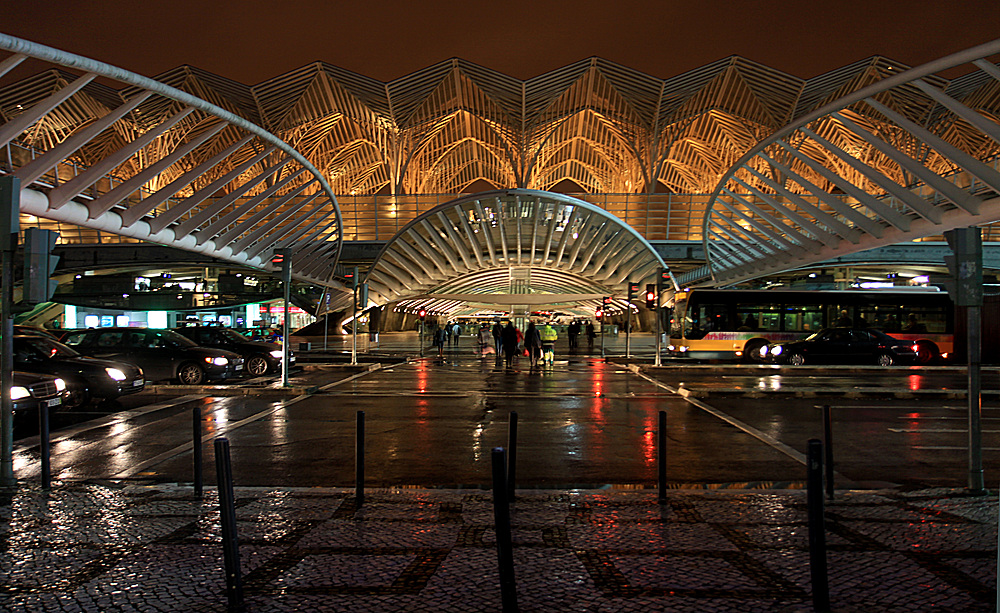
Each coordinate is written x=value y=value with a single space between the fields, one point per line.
x=598 y=313
x=422 y=313
x=650 y=296
x=278 y=258
x=607 y=300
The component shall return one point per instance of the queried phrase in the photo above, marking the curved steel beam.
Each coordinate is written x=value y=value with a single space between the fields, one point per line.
x=908 y=157
x=176 y=170
x=506 y=243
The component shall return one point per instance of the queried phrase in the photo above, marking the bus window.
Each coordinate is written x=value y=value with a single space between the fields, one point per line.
x=805 y=318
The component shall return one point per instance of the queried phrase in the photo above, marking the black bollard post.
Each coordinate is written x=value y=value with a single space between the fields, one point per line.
x=359 y=461
x=511 y=455
x=817 y=527
x=227 y=512
x=661 y=458
x=505 y=545
x=196 y=437
x=43 y=436
x=828 y=448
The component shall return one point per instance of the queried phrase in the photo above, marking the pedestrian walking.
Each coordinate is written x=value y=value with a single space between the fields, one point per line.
x=591 y=335
x=574 y=332
x=485 y=338
x=439 y=335
x=508 y=339
x=533 y=343
x=548 y=337
x=456 y=332
x=497 y=334
x=447 y=333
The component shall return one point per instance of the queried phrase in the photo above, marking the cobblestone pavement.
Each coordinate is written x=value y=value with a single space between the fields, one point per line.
x=128 y=547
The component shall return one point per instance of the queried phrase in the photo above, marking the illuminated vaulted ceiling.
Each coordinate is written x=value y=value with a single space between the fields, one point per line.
x=593 y=127
x=511 y=247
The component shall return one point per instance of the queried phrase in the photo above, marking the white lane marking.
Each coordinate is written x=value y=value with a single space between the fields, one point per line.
x=107 y=420
x=754 y=432
x=166 y=455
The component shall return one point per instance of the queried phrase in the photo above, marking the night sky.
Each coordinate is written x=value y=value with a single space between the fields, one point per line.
x=253 y=41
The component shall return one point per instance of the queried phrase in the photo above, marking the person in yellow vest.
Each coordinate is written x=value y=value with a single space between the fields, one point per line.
x=548 y=336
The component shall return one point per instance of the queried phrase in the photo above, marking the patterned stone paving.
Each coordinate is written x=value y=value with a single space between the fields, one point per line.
x=116 y=547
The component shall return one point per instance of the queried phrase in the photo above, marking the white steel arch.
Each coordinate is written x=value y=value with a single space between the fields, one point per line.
x=511 y=247
x=173 y=168
x=906 y=158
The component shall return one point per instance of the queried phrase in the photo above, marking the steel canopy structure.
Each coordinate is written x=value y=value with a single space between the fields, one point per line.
x=508 y=248
x=908 y=157
x=159 y=164
x=771 y=171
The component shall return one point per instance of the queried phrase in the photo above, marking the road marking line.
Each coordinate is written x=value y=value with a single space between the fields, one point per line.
x=754 y=432
x=166 y=455
x=107 y=420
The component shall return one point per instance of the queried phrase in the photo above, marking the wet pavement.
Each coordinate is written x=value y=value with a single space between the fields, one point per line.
x=122 y=531
x=157 y=548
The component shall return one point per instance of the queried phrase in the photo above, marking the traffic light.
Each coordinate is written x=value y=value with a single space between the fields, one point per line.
x=650 y=296
x=363 y=297
x=280 y=258
x=633 y=290
x=607 y=300
x=422 y=313
x=598 y=312
x=39 y=265
x=965 y=267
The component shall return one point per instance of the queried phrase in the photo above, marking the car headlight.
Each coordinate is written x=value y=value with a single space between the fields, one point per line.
x=276 y=354
x=776 y=350
x=217 y=361
x=115 y=374
x=60 y=385
x=17 y=392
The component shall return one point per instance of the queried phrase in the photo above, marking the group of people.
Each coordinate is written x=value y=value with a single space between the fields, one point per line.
x=537 y=342
x=448 y=333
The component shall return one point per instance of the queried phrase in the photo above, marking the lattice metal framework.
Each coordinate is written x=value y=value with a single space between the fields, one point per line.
x=908 y=157
x=159 y=164
x=511 y=247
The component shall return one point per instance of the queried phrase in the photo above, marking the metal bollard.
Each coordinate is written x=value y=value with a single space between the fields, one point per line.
x=828 y=447
x=511 y=455
x=196 y=437
x=227 y=512
x=501 y=520
x=44 y=447
x=817 y=527
x=359 y=461
x=661 y=457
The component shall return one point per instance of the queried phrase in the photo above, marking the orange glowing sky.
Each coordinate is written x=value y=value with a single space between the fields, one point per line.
x=252 y=41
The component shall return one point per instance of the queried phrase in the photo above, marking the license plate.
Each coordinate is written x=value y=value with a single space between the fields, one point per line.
x=239 y=367
x=53 y=402
x=137 y=383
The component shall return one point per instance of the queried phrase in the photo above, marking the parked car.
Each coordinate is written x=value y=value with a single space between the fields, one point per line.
x=259 y=357
x=162 y=354
x=33 y=391
x=843 y=346
x=85 y=377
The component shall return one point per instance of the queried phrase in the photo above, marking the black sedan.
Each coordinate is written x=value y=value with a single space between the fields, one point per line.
x=33 y=391
x=843 y=346
x=162 y=354
x=85 y=377
x=260 y=357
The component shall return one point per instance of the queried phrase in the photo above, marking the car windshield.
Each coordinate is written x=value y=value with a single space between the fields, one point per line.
x=232 y=335
x=169 y=338
x=48 y=348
